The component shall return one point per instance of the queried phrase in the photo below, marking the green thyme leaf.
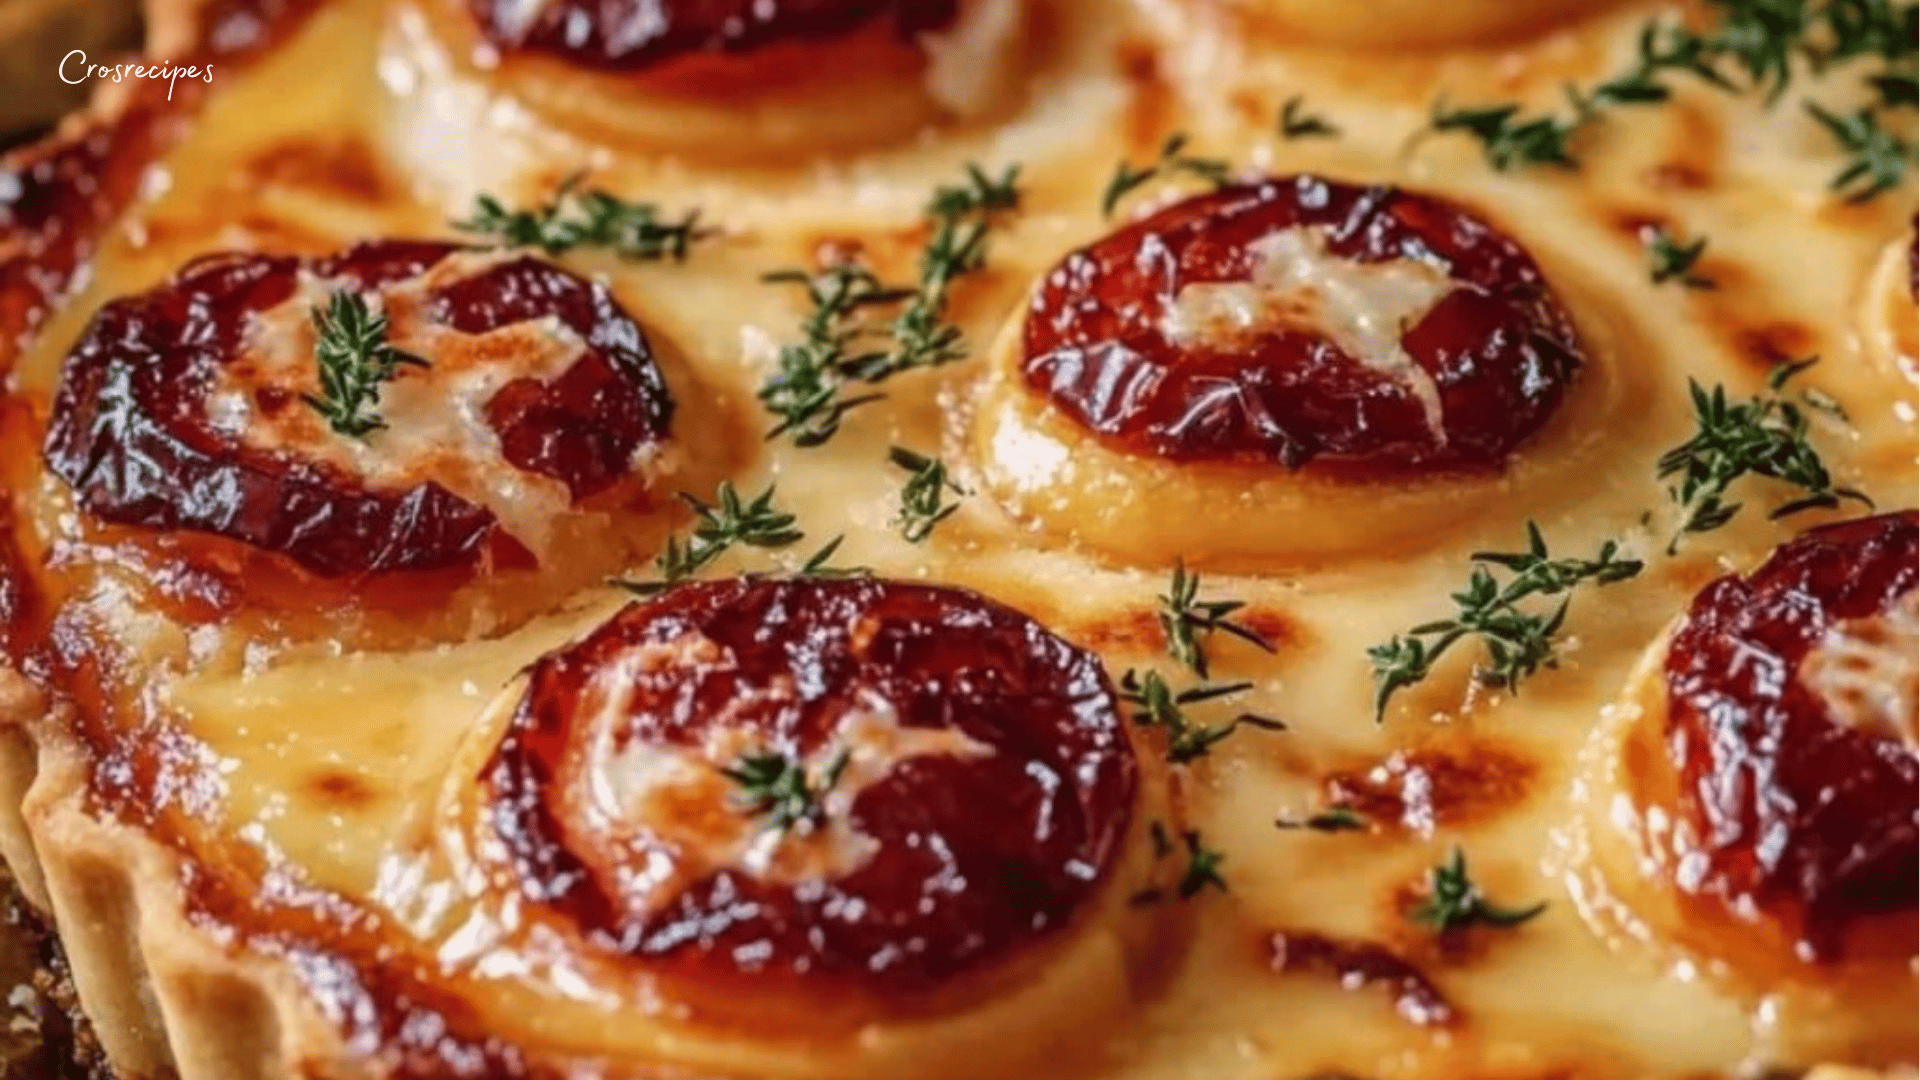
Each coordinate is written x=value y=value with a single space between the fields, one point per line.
x=815 y=381
x=571 y=219
x=923 y=503
x=1454 y=902
x=727 y=522
x=1517 y=640
x=1672 y=260
x=1156 y=705
x=778 y=789
x=1297 y=123
x=1768 y=435
x=1877 y=159
x=355 y=359
x=1184 y=619
x=1173 y=161
x=1200 y=872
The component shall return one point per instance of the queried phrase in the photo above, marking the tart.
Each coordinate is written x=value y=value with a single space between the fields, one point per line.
x=851 y=540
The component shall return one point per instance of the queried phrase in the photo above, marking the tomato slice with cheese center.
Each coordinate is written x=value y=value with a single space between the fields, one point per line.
x=871 y=784
x=1792 y=718
x=1297 y=320
x=190 y=407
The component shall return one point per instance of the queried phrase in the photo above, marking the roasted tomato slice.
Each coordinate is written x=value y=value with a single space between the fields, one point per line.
x=188 y=407
x=1298 y=320
x=1791 y=717
x=857 y=783
x=629 y=36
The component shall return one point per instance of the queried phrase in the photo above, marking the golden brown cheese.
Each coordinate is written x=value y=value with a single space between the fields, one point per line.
x=329 y=766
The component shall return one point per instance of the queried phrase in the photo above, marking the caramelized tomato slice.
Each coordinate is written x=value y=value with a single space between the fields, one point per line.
x=971 y=782
x=1790 y=716
x=171 y=412
x=630 y=36
x=1297 y=319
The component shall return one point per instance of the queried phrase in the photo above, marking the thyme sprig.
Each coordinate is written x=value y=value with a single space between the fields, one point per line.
x=808 y=389
x=961 y=216
x=1768 y=435
x=1336 y=819
x=1156 y=705
x=728 y=522
x=1297 y=123
x=815 y=381
x=1173 y=161
x=1201 y=872
x=1454 y=902
x=570 y=219
x=1508 y=137
x=779 y=789
x=354 y=357
x=1877 y=159
x=1750 y=45
x=1518 y=641
x=923 y=498
x=1671 y=260
x=818 y=565
x=1184 y=618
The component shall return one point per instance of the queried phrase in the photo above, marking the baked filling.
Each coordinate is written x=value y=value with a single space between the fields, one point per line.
x=699 y=611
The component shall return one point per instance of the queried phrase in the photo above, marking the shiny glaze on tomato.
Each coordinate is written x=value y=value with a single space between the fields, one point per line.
x=1809 y=819
x=631 y=36
x=972 y=855
x=133 y=433
x=1498 y=346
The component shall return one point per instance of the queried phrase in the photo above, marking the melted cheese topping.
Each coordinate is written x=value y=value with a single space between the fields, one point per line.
x=681 y=797
x=436 y=417
x=1364 y=308
x=1550 y=998
x=1868 y=672
x=974 y=64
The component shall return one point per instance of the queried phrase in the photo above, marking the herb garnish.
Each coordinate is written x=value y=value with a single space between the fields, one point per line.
x=1518 y=642
x=961 y=216
x=727 y=522
x=1335 y=819
x=1454 y=901
x=816 y=564
x=1765 y=436
x=1201 y=872
x=1157 y=706
x=1760 y=40
x=922 y=497
x=350 y=346
x=773 y=784
x=808 y=389
x=1877 y=159
x=1173 y=161
x=1183 y=618
x=1509 y=138
x=584 y=219
x=1673 y=261
x=1297 y=123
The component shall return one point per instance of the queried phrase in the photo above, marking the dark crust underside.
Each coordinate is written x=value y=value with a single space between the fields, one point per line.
x=46 y=1037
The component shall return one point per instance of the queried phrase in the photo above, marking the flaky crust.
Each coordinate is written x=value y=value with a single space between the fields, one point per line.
x=166 y=997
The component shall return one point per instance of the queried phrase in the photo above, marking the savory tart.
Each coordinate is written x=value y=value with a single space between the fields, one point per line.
x=854 y=540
